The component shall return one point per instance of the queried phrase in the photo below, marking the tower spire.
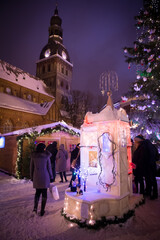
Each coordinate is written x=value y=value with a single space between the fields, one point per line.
x=55 y=29
x=109 y=101
x=56 y=10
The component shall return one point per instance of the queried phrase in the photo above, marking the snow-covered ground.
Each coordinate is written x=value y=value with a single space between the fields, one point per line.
x=17 y=222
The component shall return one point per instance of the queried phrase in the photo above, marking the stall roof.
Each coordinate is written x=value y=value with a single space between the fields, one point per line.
x=41 y=127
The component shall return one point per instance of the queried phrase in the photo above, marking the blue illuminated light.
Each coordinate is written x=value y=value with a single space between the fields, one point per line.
x=2 y=142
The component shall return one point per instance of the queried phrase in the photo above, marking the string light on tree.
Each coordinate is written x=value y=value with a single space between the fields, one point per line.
x=144 y=54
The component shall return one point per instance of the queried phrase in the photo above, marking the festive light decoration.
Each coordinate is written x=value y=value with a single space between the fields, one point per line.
x=108 y=81
x=137 y=88
x=103 y=222
x=124 y=98
x=149 y=131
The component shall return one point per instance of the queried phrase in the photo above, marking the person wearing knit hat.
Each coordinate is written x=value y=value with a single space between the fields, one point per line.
x=139 y=138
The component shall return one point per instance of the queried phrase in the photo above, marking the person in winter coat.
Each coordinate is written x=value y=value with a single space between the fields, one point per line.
x=41 y=175
x=145 y=157
x=75 y=163
x=140 y=161
x=52 y=148
x=61 y=162
x=75 y=157
x=150 y=178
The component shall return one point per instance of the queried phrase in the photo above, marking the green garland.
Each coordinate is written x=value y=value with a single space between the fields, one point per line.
x=103 y=222
x=31 y=137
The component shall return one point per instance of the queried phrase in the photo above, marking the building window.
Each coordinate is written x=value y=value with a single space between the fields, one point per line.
x=62 y=69
x=26 y=125
x=54 y=67
x=8 y=126
x=34 y=99
x=15 y=93
x=8 y=90
x=43 y=69
x=1 y=89
x=62 y=84
x=66 y=86
x=66 y=72
x=29 y=97
x=49 y=67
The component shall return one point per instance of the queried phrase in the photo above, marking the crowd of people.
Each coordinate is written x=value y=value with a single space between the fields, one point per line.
x=45 y=162
x=145 y=155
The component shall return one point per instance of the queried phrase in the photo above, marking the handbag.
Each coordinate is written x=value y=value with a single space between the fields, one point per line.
x=54 y=192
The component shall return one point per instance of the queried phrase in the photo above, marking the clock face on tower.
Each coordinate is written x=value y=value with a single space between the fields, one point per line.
x=64 y=56
x=47 y=53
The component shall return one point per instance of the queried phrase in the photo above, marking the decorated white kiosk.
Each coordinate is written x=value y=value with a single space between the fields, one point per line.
x=106 y=174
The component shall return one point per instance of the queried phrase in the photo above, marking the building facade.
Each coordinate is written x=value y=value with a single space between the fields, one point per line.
x=24 y=100
x=28 y=101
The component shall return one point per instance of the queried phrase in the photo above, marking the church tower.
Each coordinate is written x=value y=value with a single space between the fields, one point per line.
x=54 y=65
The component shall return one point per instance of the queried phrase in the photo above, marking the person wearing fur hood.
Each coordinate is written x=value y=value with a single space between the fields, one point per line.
x=41 y=175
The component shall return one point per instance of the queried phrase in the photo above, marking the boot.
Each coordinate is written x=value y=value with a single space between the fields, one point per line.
x=43 y=204
x=36 y=200
x=61 y=176
x=64 y=174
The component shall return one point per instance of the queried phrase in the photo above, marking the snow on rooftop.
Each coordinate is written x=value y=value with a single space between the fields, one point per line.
x=57 y=55
x=107 y=114
x=40 y=127
x=18 y=76
x=19 y=104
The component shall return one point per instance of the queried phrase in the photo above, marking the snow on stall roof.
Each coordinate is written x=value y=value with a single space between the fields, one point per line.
x=40 y=127
x=18 y=76
x=19 y=104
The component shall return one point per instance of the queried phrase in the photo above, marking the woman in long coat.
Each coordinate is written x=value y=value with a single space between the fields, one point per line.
x=41 y=175
x=61 y=159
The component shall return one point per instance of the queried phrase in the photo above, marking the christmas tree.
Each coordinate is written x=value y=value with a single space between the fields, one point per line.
x=145 y=55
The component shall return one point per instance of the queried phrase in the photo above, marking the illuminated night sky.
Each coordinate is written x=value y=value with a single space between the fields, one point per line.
x=94 y=33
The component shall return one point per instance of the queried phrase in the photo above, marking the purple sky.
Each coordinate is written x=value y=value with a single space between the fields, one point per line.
x=94 y=33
